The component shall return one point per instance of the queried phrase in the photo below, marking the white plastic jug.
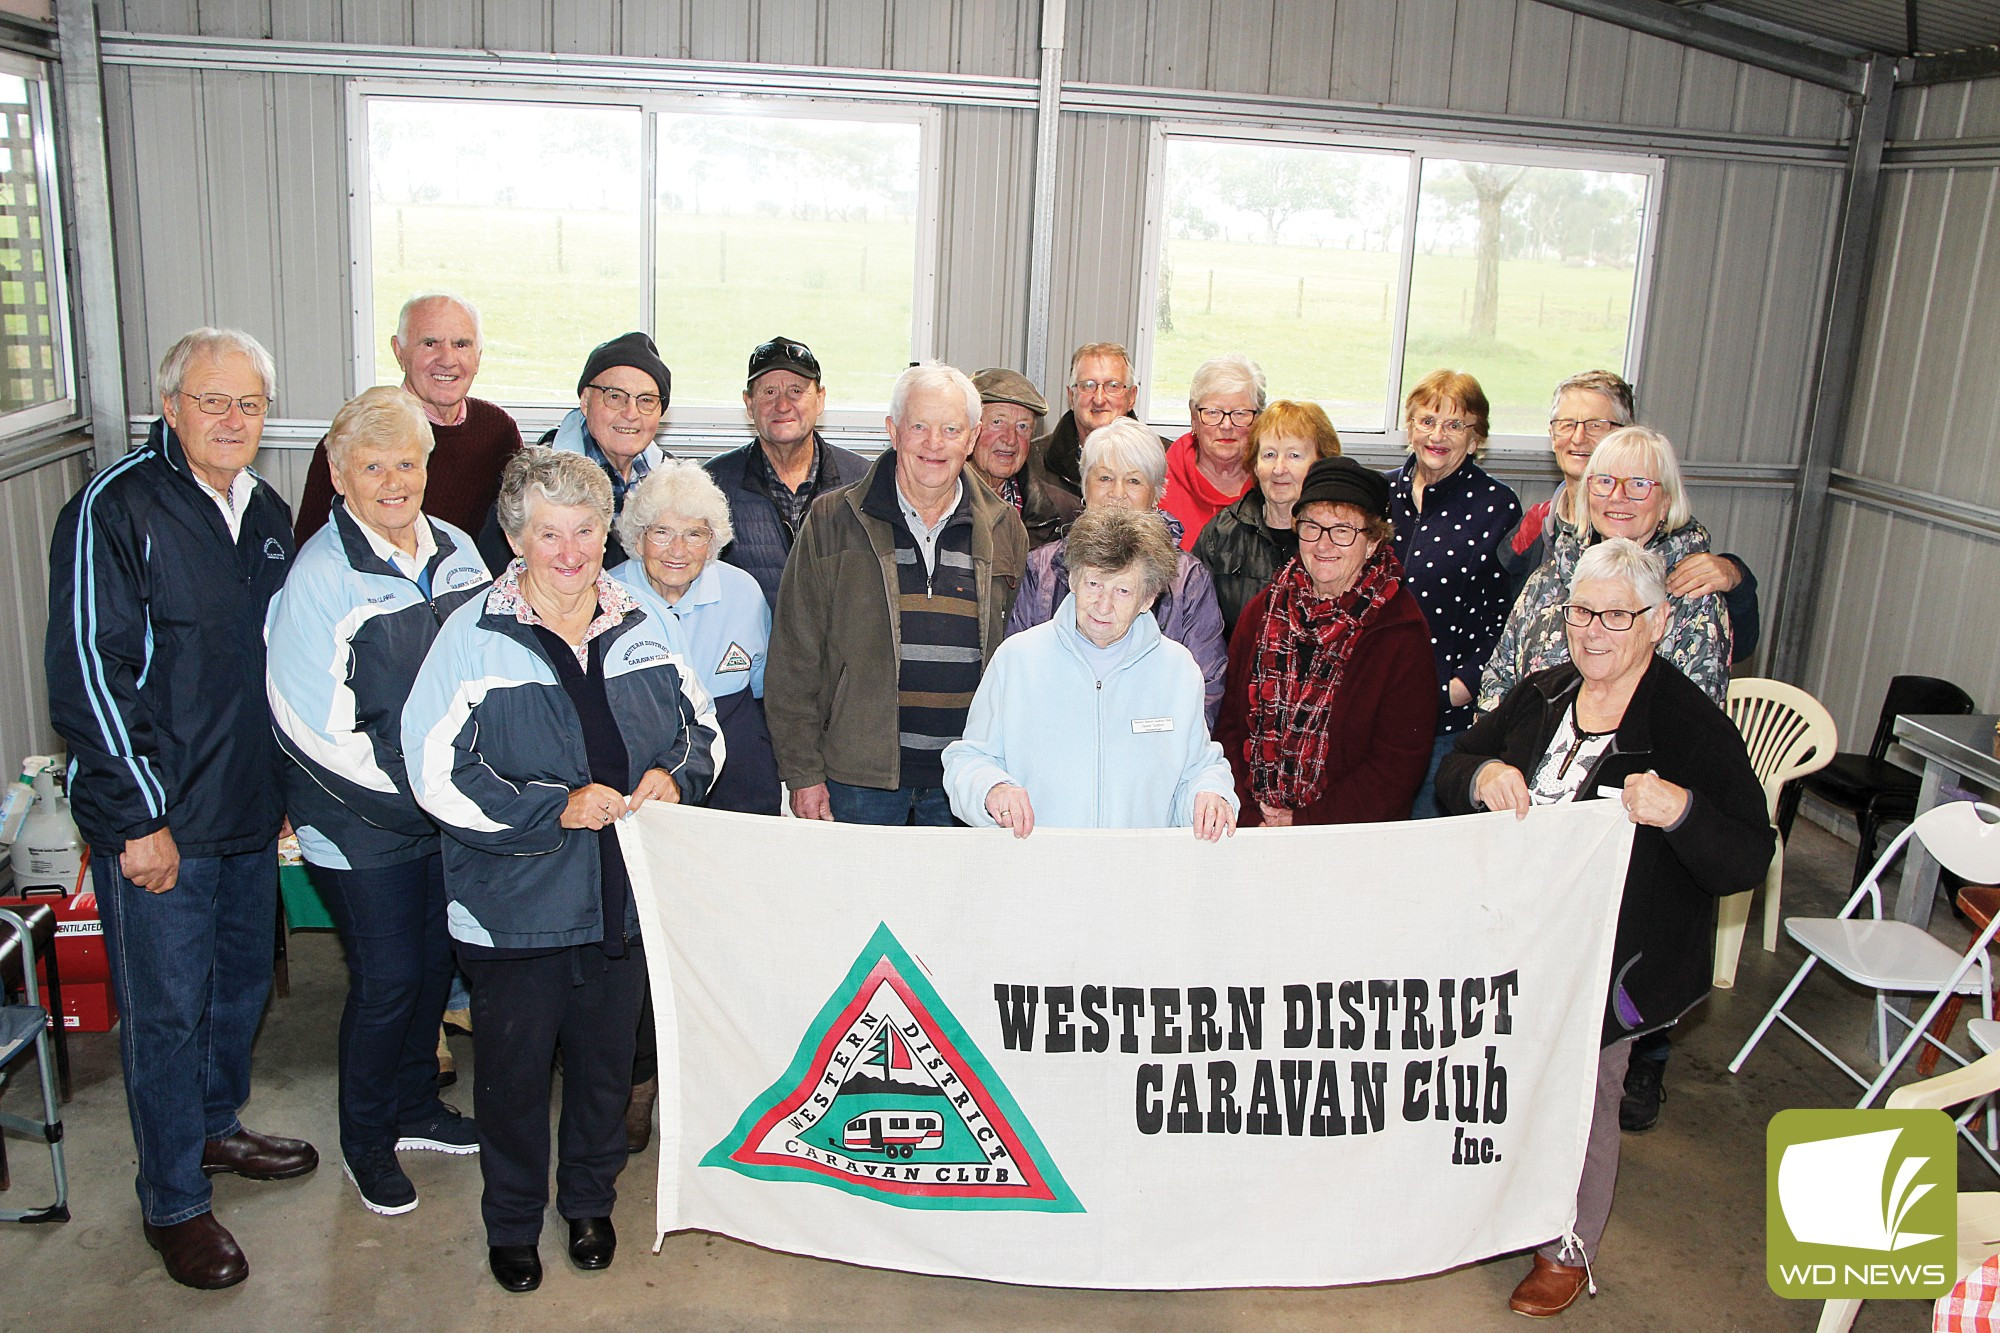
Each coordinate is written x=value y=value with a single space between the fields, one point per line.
x=20 y=798
x=49 y=851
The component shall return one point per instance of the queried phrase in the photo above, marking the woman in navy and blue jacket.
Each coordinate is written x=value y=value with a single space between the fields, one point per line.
x=545 y=711
x=346 y=636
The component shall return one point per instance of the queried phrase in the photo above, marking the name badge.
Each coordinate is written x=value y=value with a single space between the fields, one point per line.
x=1143 y=725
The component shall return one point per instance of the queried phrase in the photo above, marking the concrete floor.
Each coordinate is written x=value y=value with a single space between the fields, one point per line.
x=1685 y=1248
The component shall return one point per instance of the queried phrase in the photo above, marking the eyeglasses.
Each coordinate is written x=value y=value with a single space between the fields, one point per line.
x=665 y=537
x=1450 y=425
x=1088 y=387
x=217 y=404
x=1215 y=416
x=1340 y=534
x=618 y=399
x=795 y=355
x=1602 y=484
x=1594 y=428
x=1617 y=619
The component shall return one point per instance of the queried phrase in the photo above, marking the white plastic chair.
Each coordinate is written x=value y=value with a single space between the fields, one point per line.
x=1788 y=734
x=1978 y=1212
x=1896 y=958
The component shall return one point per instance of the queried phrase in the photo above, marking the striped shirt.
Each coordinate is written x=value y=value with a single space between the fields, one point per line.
x=937 y=608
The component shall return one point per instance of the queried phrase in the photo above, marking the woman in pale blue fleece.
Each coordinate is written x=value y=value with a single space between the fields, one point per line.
x=1093 y=718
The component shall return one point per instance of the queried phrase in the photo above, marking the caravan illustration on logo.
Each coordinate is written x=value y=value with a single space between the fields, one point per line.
x=889 y=1098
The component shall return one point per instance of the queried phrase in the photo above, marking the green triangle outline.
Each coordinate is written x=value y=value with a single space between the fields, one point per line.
x=979 y=1077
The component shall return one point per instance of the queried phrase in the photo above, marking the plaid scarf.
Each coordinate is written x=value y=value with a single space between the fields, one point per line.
x=1303 y=648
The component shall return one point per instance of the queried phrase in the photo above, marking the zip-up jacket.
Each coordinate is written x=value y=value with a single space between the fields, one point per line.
x=155 y=655
x=831 y=686
x=1664 y=956
x=494 y=747
x=763 y=543
x=1130 y=751
x=345 y=639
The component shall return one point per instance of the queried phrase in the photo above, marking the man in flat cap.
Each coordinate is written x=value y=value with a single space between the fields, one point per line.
x=1010 y=417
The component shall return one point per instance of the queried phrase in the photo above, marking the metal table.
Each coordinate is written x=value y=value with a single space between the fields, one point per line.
x=1957 y=750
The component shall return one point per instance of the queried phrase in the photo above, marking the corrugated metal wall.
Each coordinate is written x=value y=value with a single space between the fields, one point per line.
x=1914 y=548
x=28 y=507
x=230 y=203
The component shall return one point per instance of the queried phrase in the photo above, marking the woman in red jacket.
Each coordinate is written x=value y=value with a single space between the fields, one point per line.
x=1330 y=701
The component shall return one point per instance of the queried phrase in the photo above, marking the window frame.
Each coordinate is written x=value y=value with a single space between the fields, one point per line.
x=840 y=415
x=1417 y=150
x=17 y=426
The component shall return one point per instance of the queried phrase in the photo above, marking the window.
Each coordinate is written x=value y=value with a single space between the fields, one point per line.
x=1349 y=272
x=568 y=224
x=36 y=382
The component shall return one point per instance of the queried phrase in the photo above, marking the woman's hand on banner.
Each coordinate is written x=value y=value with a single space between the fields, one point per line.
x=1214 y=817
x=1010 y=808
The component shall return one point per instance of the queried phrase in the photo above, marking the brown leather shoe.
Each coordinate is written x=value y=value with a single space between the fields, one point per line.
x=1548 y=1289
x=199 y=1253
x=257 y=1156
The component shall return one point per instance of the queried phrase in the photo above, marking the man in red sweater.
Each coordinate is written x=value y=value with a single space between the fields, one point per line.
x=437 y=344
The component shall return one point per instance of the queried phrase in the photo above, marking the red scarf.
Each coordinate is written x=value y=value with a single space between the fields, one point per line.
x=1303 y=648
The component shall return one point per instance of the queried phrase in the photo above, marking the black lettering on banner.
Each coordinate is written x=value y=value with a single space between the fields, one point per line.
x=1062 y=1033
x=1298 y=1017
x=1096 y=1037
x=1151 y=1083
x=1017 y=1014
x=1166 y=1020
x=1465 y=1092
x=1263 y=1117
x=1370 y=1081
x=1496 y=1088
x=1505 y=986
x=1327 y=1120
x=1382 y=999
x=1246 y=1018
x=1223 y=1117
x=1446 y=1033
x=1354 y=1025
x=1325 y=994
x=1417 y=1090
x=1184 y=1112
x=1417 y=1035
x=1472 y=1007
x=1204 y=1033
x=1297 y=1075
x=1128 y=1002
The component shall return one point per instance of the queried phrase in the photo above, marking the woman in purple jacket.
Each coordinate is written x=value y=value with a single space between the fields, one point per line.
x=1125 y=466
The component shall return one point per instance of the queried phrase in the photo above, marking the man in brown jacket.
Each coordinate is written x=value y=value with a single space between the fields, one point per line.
x=894 y=600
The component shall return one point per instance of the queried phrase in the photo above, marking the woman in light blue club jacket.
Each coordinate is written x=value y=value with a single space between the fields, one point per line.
x=1093 y=718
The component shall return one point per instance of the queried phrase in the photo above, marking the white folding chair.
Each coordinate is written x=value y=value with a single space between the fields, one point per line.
x=1978 y=1212
x=1896 y=958
x=1788 y=735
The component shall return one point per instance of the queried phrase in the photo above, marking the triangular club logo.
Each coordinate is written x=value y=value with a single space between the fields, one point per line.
x=888 y=1098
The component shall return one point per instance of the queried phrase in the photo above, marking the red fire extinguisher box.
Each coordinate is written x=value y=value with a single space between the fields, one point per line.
x=81 y=962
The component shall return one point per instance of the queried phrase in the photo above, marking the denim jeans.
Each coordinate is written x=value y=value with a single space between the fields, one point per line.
x=926 y=807
x=399 y=968
x=1426 y=806
x=191 y=970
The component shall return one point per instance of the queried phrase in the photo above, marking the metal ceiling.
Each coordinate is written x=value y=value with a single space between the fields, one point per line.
x=1883 y=27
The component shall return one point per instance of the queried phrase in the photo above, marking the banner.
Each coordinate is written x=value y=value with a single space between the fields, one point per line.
x=1298 y=1057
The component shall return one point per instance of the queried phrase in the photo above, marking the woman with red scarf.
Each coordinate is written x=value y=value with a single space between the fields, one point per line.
x=1331 y=698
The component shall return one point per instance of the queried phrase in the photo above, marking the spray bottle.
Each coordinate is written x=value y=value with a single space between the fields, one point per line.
x=20 y=798
x=49 y=851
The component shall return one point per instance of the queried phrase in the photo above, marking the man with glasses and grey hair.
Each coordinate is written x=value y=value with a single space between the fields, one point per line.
x=438 y=344
x=771 y=481
x=159 y=573
x=892 y=605
x=1101 y=390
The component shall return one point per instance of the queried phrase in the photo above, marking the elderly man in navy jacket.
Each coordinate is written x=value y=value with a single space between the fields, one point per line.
x=159 y=573
x=772 y=480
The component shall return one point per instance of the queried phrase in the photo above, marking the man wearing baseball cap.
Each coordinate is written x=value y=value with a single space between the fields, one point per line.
x=772 y=480
x=1010 y=417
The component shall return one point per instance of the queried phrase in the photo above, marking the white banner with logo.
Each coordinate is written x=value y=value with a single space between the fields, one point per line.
x=1299 y=1057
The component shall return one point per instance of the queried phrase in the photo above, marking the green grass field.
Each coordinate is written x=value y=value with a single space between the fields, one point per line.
x=551 y=285
x=1319 y=323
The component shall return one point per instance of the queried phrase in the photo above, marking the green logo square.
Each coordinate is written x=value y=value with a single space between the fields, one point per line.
x=1861 y=1204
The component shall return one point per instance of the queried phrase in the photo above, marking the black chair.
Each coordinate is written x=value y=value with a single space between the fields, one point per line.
x=1872 y=789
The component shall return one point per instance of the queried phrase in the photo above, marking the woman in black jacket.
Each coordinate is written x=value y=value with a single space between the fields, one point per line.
x=1619 y=719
